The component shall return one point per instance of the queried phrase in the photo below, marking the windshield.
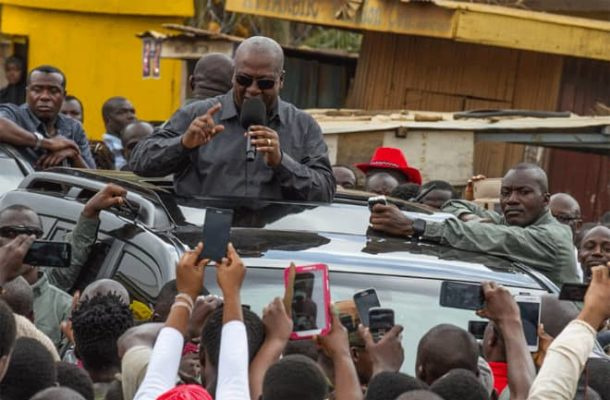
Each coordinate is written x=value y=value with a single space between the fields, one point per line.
x=415 y=301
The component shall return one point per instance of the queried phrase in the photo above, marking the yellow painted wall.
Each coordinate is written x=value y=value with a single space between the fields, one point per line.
x=101 y=57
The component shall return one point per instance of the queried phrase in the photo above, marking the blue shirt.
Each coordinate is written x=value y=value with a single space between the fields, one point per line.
x=64 y=126
x=116 y=148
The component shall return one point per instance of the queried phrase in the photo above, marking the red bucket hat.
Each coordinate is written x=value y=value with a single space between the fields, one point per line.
x=391 y=158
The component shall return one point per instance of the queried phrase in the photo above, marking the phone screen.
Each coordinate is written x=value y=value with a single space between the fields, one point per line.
x=216 y=232
x=477 y=328
x=308 y=301
x=365 y=300
x=466 y=296
x=381 y=321
x=49 y=254
x=530 y=314
x=573 y=291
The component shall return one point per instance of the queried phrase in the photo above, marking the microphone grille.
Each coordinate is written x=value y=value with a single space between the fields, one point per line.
x=253 y=112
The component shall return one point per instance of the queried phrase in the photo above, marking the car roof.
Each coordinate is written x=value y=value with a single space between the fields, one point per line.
x=274 y=233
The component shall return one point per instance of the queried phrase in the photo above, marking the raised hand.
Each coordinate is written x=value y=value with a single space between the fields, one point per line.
x=597 y=298
x=11 y=257
x=387 y=354
x=230 y=273
x=202 y=129
x=110 y=195
x=278 y=324
x=190 y=272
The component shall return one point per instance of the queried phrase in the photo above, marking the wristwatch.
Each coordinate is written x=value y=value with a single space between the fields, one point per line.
x=419 y=227
x=39 y=139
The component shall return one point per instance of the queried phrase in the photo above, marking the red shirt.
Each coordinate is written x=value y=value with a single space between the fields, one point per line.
x=500 y=371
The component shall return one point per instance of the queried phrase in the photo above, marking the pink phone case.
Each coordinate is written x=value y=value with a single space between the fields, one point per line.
x=326 y=289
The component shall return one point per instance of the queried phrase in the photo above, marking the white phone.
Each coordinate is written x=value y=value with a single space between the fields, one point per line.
x=529 y=306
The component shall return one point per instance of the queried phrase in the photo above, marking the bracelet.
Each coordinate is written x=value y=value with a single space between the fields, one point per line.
x=186 y=298
x=182 y=304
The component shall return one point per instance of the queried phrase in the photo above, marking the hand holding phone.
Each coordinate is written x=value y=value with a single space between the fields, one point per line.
x=377 y=200
x=49 y=254
x=529 y=310
x=381 y=320
x=310 y=301
x=216 y=233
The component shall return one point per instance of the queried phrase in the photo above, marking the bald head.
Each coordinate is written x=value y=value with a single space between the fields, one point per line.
x=556 y=314
x=259 y=46
x=594 y=249
x=212 y=76
x=563 y=203
x=443 y=348
x=419 y=395
x=105 y=286
x=533 y=171
x=58 y=393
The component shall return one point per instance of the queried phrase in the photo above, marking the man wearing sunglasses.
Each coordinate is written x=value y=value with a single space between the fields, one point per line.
x=20 y=226
x=204 y=144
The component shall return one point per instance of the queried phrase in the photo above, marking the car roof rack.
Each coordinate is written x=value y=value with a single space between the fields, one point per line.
x=155 y=209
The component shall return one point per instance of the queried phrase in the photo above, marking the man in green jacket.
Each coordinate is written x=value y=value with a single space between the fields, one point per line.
x=52 y=304
x=525 y=233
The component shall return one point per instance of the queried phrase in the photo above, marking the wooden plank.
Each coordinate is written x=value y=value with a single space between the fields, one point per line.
x=537 y=82
x=583 y=84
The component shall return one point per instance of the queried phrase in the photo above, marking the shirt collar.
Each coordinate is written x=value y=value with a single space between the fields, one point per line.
x=42 y=128
x=41 y=285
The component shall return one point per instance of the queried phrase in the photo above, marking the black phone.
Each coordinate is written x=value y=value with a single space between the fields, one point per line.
x=477 y=328
x=216 y=233
x=467 y=296
x=573 y=291
x=377 y=200
x=381 y=320
x=365 y=300
x=45 y=253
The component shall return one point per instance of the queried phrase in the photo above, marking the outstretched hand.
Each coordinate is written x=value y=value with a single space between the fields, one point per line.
x=336 y=343
x=11 y=257
x=500 y=306
x=389 y=219
x=597 y=298
x=230 y=273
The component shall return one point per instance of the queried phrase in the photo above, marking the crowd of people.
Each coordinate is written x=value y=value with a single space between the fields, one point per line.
x=57 y=342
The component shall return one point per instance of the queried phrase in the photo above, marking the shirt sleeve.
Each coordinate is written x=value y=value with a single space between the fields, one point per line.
x=163 y=366
x=541 y=247
x=9 y=112
x=310 y=178
x=461 y=207
x=83 y=144
x=162 y=153
x=564 y=362
x=81 y=239
x=233 y=381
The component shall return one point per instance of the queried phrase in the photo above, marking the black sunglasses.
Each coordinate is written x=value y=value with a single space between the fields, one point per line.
x=263 y=83
x=11 y=232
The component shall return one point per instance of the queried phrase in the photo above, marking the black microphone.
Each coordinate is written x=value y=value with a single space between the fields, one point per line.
x=253 y=112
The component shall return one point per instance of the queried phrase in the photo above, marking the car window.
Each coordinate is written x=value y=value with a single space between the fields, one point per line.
x=139 y=273
x=11 y=175
x=415 y=301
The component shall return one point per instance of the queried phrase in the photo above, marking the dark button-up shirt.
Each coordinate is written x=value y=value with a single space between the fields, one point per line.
x=545 y=245
x=219 y=168
x=66 y=127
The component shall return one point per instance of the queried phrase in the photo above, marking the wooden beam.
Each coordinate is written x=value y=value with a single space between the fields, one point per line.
x=465 y=22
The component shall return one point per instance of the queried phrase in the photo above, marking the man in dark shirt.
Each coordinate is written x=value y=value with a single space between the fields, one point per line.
x=43 y=135
x=211 y=77
x=204 y=145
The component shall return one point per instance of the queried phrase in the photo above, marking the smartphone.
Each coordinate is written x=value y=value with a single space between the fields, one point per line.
x=477 y=328
x=365 y=300
x=310 y=301
x=377 y=200
x=467 y=296
x=381 y=320
x=216 y=232
x=529 y=307
x=573 y=291
x=45 y=253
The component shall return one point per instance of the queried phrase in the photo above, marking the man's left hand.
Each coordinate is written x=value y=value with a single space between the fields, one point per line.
x=389 y=219
x=267 y=142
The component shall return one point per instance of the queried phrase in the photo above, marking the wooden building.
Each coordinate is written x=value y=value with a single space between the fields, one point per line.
x=452 y=56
